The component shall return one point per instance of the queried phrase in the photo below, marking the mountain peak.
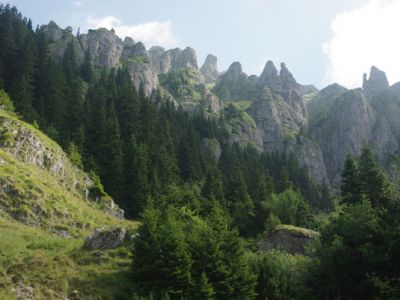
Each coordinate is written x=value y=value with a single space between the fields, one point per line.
x=376 y=82
x=210 y=69
x=235 y=67
x=187 y=58
x=269 y=74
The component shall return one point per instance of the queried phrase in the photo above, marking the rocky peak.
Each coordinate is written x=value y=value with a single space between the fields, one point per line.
x=376 y=83
x=234 y=84
x=60 y=38
x=128 y=48
x=187 y=59
x=234 y=71
x=129 y=42
x=277 y=82
x=52 y=31
x=209 y=69
x=269 y=75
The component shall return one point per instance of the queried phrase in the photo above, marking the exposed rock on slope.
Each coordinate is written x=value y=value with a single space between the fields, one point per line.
x=35 y=174
x=45 y=218
x=30 y=146
x=242 y=129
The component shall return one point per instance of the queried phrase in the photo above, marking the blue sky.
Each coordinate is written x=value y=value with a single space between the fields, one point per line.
x=313 y=37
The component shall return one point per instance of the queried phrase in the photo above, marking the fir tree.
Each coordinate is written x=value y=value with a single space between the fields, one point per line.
x=372 y=180
x=350 y=188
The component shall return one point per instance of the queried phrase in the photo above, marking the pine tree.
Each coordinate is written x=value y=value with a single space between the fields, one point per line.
x=372 y=180
x=162 y=261
x=350 y=188
x=205 y=290
x=87 y=68
x=213 y=186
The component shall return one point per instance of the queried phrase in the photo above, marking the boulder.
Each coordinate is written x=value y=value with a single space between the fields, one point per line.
x=105 y=238
x=288 y=238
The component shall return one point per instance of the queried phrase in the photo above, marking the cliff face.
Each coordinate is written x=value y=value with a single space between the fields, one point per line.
x=344 y=122
x=283 y=130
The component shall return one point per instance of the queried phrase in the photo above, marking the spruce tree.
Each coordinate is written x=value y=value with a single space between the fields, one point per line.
x=372 y=180
x=350 y=188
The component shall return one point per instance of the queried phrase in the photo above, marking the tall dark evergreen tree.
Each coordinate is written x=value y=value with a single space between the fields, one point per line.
x=350 y=187
x=372 y=180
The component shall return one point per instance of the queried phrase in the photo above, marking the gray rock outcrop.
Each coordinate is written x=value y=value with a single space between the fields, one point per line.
x=211 y=149
x=105 y=238
x=210 y=69
x=60 y=39
x=104 y=46
x=30 y=147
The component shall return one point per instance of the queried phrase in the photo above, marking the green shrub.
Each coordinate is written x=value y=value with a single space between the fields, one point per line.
x=5 y=102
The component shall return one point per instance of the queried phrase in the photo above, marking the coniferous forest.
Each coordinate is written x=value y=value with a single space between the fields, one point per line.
x=202 y=216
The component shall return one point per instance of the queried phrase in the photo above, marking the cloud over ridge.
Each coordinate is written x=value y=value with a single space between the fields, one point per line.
x=150 y=33
x=365 y=36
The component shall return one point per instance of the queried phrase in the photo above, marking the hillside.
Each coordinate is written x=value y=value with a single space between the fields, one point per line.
x=45 y=218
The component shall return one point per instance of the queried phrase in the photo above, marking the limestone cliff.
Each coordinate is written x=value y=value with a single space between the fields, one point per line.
x=282 y=130
x=350 y=124
x=210 y=69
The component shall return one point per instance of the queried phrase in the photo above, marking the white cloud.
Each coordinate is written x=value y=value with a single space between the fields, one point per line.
x=79 y=3
x=150 y=33
x=366 y=36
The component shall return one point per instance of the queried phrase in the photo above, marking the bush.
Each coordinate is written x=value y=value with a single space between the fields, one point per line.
x=5 y=102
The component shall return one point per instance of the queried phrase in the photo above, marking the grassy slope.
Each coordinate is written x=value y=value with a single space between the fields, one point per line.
x=37 y=255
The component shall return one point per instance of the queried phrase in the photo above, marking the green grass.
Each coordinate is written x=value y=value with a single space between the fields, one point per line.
x=241 y=104
x=52 y=264
x=210 y=86
x=296 y=230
